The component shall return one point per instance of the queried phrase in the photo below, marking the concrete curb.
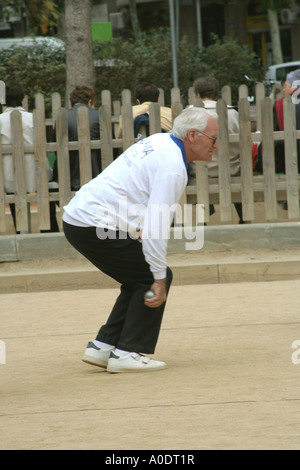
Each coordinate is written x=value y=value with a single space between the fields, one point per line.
x=247 y=253
x=241 y=270
x=275 y=236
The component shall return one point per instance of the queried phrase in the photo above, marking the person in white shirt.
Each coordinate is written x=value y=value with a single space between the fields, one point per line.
x=113 y=222
x=206 y=89
x=14 y=96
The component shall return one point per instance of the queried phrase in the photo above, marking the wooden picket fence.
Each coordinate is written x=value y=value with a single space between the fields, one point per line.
x=247 y=188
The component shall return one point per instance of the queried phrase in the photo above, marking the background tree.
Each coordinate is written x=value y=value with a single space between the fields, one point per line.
x=42 y=15
x=134 y=18
x=273 y=8
x=79 y=51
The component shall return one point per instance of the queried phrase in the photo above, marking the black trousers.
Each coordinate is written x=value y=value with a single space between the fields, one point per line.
x=131 y=325
x=53 y=221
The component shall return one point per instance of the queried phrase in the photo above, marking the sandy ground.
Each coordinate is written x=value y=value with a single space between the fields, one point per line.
x=232 y=380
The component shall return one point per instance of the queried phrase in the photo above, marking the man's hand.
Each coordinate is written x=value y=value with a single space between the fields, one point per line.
x=160 y=293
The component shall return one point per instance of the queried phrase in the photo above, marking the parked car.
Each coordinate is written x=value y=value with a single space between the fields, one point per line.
x=277 y=73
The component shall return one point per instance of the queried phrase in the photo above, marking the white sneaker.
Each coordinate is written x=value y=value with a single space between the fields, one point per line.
x=96 y=356
x=133 y=362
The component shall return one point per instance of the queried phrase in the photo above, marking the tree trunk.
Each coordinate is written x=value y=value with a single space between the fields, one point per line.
x=78 y=36
x=275 y=36
x=134 y=18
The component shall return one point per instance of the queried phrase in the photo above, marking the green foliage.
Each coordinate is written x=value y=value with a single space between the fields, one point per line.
x=276 y=5
x=228 y=61
x=39 y=68
x=147 y=58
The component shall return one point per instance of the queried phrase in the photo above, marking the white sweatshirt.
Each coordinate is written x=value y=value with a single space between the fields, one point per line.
x=146 y=181
x=29 y=158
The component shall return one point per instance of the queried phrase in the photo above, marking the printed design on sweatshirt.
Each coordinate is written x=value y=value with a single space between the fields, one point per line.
x=147 y=147
x=137 y=152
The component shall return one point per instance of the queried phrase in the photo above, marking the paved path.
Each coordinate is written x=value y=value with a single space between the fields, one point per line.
x=230 y=382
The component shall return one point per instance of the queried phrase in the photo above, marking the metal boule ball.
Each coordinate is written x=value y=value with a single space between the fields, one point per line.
x=149 y=294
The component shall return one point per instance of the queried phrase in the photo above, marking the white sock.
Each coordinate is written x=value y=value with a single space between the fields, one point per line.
x=102 y=345
x=121 y=352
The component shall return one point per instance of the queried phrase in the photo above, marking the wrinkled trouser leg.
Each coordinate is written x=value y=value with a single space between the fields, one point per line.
x=131 y=325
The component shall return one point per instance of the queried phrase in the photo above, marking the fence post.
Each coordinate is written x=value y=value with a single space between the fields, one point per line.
x=2 y=195
x=21 y=205
x=176 y=110
x=40 y=102
x=226 y=95
x=39 y=128
x=105 y=136
x=126 y=97
x=25 y=103
x=202 y=190
x=268 y=159
x=246 y=160
x=116 y=115
x=84 y=145
x=127 y=126
x=277 y=92
x=127 y=120
x=63 y=162
x=154 y=118
x=117 y=108
x=259 y=95
x=2 y=202
x=224 y=164
x=191 y=97
x=243 y=92
x=175 y=96
x=291 y=159
x=176 y=104
x=56 y=105
x=161 y=100
x=2 y=92
x=106 y=99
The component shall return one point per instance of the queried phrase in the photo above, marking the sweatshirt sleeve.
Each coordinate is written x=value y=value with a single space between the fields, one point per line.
x=163 y=200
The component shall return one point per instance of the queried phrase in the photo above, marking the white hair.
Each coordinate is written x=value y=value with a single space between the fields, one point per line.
x=190 y=118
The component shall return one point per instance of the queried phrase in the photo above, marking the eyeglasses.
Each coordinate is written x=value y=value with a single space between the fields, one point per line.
x=213 y=138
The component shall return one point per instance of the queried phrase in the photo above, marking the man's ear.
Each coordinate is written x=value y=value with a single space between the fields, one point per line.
x=191 y=134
